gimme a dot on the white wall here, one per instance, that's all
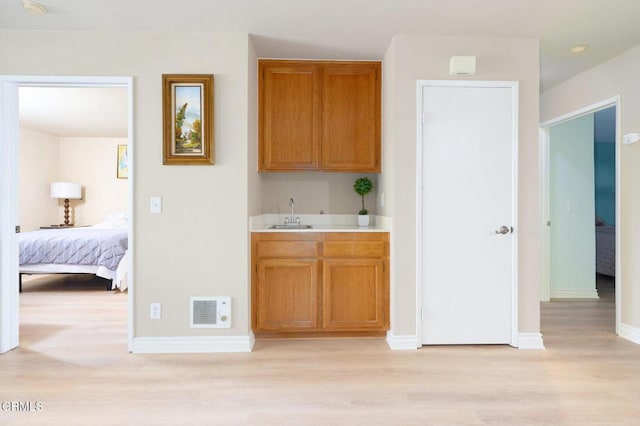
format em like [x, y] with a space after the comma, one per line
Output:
[427, 57]
[38, 168]
[618, 76]
[198, 245]
[92, 163]
[572, 200]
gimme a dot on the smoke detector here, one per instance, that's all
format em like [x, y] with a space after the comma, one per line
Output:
[33, 8]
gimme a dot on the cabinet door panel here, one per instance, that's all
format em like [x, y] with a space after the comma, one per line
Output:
[289, 107]
[351, 118]
[287, 294]
[353, 294]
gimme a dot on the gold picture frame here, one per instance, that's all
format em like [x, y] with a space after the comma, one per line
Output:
[122, 162]
[187, 114]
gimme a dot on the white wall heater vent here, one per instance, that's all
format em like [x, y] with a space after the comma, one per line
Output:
[211, 312]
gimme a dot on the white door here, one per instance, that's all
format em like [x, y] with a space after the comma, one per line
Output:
[469, 143]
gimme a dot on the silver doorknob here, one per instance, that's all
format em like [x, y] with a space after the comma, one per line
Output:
[503, 230]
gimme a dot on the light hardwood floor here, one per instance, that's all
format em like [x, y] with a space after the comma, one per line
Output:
[73, 359]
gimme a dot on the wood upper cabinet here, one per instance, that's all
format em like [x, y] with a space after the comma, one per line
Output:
[351, 117]
[319, 115]
[289, 115]
[320, 282]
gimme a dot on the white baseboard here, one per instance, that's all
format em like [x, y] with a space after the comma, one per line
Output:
[574, 294]
[402, 343]
[192, 344]
[630, 333]
[530, 341]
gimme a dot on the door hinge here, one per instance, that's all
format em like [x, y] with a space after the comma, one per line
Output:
[548, 223]
[421, 314]
[17, 229]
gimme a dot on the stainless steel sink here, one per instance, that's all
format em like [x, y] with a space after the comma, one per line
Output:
[294, 226]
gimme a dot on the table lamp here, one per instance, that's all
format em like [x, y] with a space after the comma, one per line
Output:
[66, 191]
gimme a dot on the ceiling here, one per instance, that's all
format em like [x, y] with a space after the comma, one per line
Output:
[74, 111]
[362, 29]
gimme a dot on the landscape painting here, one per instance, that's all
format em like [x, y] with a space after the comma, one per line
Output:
[188, 119]
[122, 162]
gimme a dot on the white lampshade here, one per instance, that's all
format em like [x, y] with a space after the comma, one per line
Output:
[66, 190]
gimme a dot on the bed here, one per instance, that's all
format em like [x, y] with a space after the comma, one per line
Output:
[606, 249]
[99, 250]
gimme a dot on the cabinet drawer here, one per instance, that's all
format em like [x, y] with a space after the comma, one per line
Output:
[373, 249]
[363, 245]
[273, 249]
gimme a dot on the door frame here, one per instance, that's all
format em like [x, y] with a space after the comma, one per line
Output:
[9, 168]
[514, 86]
[545, 193]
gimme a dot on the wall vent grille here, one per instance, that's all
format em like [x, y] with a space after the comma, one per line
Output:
[211, 312]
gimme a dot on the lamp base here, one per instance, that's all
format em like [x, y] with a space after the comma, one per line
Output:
[66, 213]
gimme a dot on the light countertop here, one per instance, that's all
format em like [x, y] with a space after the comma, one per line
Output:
[320, 223]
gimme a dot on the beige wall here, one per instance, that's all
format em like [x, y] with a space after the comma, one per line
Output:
[386, 180]
[254, 187]
[92, 163]
[617, 77]
[38, 168]
[198, 245]
[255, 182]
[424, 57]
[314, 192]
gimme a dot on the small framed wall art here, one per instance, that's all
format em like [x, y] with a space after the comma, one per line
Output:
[122, 163]
[187, 114]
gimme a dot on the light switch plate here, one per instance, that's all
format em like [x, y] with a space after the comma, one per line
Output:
[156, 205]
[155, 310]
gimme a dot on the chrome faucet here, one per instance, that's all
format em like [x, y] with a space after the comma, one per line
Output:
[291, 220]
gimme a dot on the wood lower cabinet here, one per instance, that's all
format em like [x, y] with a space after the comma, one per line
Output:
[287, 292]
[320, 283]
[353, 294]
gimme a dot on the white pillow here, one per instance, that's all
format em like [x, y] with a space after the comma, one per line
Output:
[118, 219]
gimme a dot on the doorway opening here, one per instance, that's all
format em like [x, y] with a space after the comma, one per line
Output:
[91, 160]
[580, 226]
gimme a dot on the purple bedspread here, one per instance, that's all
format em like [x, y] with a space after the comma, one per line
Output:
[75, 246]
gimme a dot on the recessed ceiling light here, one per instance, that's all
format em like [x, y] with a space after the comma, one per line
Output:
[33, 8]
[578, 50]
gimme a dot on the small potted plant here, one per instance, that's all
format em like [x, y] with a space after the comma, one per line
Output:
[363, 186]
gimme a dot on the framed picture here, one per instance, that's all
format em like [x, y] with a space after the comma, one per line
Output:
[123, 162]
[187, 114]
